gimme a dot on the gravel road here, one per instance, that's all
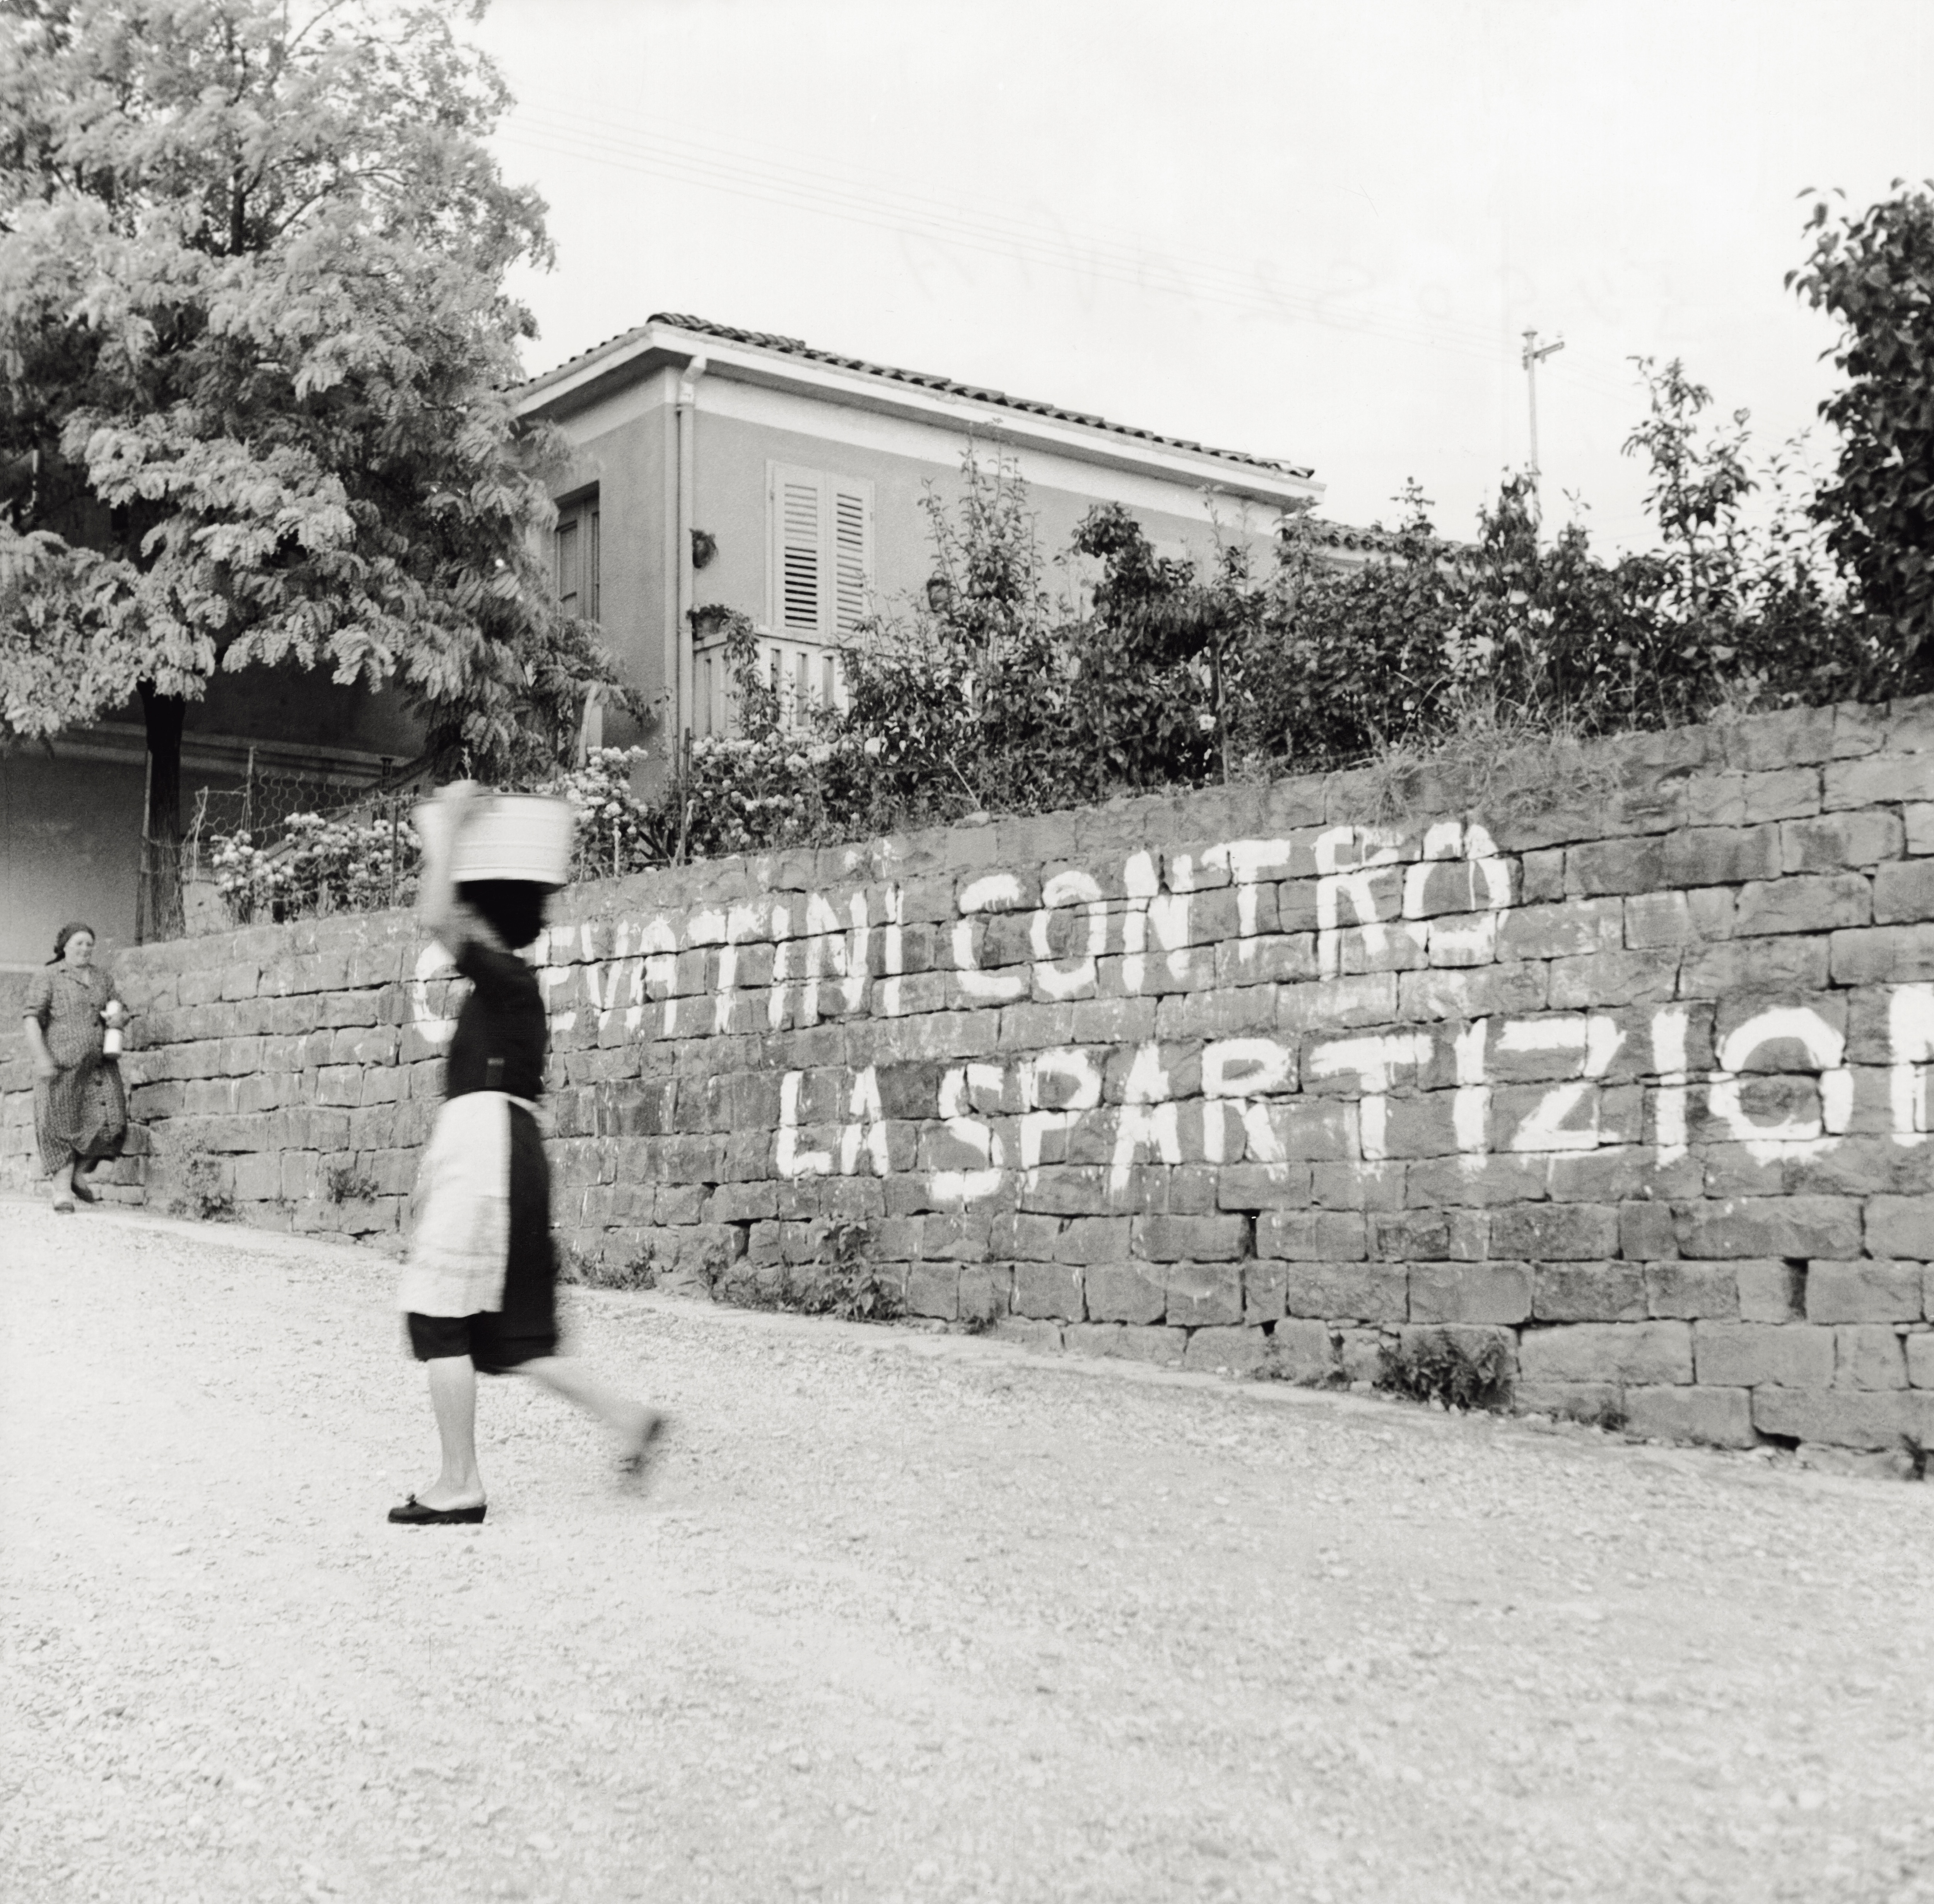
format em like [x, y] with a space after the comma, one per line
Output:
[907, 1617]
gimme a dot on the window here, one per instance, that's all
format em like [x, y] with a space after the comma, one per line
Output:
[575, 544]
[820, 569]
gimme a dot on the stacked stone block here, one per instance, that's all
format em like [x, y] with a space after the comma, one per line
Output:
[1631, 1081]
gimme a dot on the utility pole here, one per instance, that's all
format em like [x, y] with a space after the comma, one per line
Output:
[1534, 353]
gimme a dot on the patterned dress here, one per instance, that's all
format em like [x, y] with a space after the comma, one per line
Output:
[80, 1113]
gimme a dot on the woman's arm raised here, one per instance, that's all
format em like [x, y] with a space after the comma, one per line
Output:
[444, 914]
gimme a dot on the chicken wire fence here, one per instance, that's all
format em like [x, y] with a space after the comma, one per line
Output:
[282, 846]
[286, 846]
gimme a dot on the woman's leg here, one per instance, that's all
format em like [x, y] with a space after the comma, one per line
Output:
[64, 1185]
[453, 1395]
[636, 1425]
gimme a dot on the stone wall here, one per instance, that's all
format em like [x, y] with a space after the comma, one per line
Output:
[1633, 1084]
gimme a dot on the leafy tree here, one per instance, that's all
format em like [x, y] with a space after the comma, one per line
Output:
[254, 351]
[1874, 274]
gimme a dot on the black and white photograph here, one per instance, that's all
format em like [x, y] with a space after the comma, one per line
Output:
[957, 952]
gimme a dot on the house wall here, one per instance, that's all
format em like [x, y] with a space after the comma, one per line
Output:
[741, 428]
[302, 708]
[1625, 1086]
[623, 445]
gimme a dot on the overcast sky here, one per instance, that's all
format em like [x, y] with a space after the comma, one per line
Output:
[1314, 232]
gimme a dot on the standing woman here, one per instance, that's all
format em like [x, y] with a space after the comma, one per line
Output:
[80, 1111]
[479, 1291]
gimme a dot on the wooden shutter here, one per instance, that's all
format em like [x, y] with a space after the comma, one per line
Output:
[568, 555]
[800, 582]
[576, 549]
[821, 566]
[852, 541]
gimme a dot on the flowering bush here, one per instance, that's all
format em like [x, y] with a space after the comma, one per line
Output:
[618, 831]
[310, 864]
[314, 864]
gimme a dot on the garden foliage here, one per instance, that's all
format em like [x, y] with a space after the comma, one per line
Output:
[313, 863]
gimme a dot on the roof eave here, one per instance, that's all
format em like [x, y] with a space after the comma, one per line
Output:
[574, 386]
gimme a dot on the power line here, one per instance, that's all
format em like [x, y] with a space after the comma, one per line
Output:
[821, 190]
[1014, 243]
[822, 187]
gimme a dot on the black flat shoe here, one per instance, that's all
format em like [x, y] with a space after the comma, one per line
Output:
[85, 1195]
[414, 1514]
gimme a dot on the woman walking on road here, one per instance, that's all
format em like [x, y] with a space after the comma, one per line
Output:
[479, 1291]
[80, 1112]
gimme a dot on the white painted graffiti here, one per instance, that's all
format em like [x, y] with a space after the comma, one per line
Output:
[1340, 910]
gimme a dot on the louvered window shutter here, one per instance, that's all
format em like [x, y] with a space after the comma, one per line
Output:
[800, 583]
[822, 552]
[852, 554]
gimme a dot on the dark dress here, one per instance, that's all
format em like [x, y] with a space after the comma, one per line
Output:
[501, 1033]
[80, 1114]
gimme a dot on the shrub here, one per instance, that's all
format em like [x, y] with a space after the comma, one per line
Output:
[310, 864]
[618, 831]
[313, 864]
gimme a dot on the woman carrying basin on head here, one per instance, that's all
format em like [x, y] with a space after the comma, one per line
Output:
[479, 1289]
[80, 1112]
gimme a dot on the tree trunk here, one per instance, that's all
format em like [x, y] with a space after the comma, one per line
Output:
[160, 897]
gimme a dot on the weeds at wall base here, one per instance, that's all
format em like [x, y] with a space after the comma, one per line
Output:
[345, 1184]
[644, 1270]
[200, 1195]
[843, 1282]
[1433, 1365]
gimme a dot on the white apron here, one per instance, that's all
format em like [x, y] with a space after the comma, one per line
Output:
[460, 1240]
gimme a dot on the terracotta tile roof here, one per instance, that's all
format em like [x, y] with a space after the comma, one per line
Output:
[1347, 535]
[926, 380]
